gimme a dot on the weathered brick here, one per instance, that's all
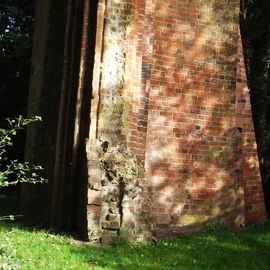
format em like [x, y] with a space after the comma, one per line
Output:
[169, 94]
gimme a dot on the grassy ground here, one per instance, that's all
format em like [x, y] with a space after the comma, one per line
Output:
[216, 248]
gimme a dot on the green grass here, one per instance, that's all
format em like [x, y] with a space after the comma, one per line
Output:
[216, 248]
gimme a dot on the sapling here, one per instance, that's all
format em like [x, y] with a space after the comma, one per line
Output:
[13, 172]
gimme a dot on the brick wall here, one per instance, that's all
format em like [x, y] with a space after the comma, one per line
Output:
[162, 141]
[117, 194]
[183, 86]
[193, 162]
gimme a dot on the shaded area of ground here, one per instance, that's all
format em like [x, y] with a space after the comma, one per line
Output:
[215, 248]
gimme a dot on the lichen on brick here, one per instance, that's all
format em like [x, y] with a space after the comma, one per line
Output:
[115, 120]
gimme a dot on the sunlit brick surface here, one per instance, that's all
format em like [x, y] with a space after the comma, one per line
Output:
[148, 118]
[189, 113]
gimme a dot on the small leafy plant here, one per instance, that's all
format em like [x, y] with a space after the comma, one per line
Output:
[13, 172]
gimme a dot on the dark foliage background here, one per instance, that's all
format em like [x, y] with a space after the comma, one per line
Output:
[16, 31]
[255, 30]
